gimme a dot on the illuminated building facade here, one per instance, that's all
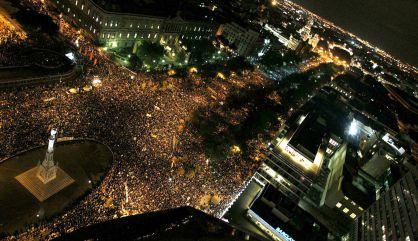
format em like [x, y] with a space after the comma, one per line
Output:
[305, 32]
[394, 216]
[242, 38]
[118, 29]
[293, 164]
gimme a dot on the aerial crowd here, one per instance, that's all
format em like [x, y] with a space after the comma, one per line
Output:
[159, 160]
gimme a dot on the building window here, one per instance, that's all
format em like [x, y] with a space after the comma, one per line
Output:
[338, 205]
[353, 215]
[82, 6]
[345, 210]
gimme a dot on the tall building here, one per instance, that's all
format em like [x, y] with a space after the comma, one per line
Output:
[394, 216]
[296, 171]
[327, 161]
[47, 169]
[129, 22]
[305, 32]
[242, 39]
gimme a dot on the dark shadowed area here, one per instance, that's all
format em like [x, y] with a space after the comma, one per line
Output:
[391, 25]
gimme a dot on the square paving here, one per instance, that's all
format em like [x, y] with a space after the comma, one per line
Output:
[40, 190]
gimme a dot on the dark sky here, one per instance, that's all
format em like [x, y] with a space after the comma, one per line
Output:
[391, 25]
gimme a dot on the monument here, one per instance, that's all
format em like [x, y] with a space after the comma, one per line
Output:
[47, 170]
[46, 179]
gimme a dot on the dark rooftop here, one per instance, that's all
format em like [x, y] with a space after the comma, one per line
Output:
[308, 137]
[160, 8]
[185, 224]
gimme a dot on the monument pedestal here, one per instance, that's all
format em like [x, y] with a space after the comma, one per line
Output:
[37, 188]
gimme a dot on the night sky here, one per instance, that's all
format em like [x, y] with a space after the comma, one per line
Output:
[391, 25]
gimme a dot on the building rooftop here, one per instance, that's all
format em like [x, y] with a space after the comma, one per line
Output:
[159, 8]
[183, 223]
[313, 126]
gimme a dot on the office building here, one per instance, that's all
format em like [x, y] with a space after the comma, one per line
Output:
[240, 39]
[394, 216]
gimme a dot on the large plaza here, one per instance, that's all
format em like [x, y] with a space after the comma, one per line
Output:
[85, 161]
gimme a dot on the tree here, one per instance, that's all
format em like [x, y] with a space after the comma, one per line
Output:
[150, 52]
[134, 60]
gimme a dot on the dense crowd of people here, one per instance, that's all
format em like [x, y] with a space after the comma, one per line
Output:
[11, 38]
[159, 160]
[9, 33]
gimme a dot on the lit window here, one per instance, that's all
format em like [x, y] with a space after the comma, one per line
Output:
[82, 6]
[76, 2]
[353, 216]
[338, 205]
[135, 35]
[127, 36]
[333, 142]
[352, 202]
[329, 151]
[345, 210]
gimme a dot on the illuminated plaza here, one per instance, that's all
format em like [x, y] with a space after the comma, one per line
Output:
[272, 128]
